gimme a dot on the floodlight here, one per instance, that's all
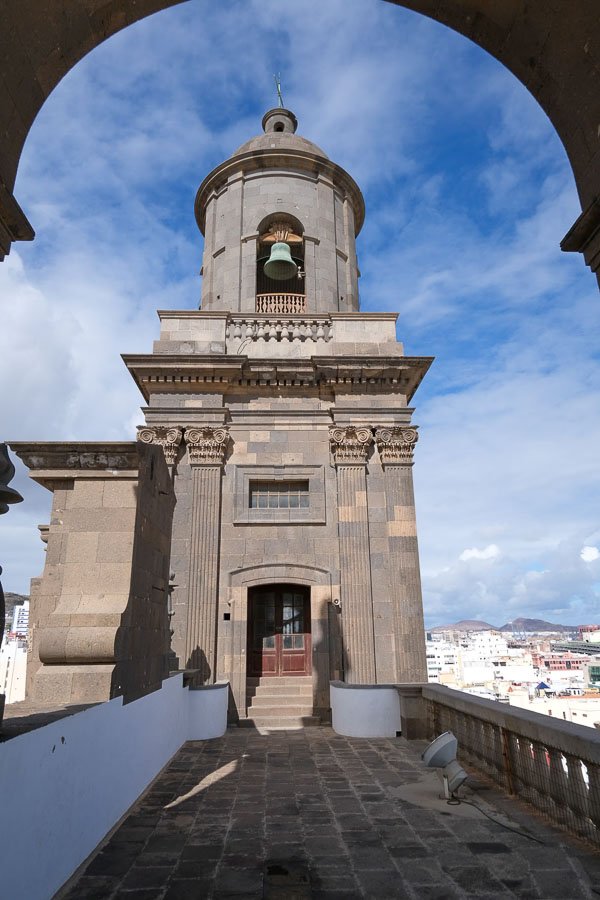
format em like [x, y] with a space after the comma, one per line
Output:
[441, 754]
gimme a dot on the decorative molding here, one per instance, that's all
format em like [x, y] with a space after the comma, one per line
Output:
[180, 373]
[114, 455]
[350, 445]
[166, 436]
[396, 445]
[207, 446]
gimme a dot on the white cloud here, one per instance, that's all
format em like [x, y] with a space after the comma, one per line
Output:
[489, 552]
[590, 554]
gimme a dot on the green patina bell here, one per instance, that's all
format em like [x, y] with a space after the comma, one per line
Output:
[280, 266]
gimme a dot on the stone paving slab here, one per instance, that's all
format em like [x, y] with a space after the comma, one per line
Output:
[309, 813]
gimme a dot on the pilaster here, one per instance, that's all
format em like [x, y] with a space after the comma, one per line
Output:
[206, 451]
[350, 447]
[396, 448]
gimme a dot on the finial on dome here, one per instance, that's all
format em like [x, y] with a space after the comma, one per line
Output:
[277, 79]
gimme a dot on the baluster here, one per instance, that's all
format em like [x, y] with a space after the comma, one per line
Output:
[237, 329]
[516, 764]
[577, 796]
[487, 748]
[541, 776]
[558, 783]
[594, 792]
[320, 332]
[249, 329]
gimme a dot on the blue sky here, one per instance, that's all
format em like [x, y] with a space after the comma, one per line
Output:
[468, 193]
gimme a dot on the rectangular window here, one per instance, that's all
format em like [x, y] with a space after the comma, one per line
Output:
[279, 495]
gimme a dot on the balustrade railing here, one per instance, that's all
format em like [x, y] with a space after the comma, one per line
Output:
[275, 328]
[553, 765]
[281, 304]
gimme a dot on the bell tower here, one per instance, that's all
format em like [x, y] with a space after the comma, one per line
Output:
[280, 222]
[270, 508]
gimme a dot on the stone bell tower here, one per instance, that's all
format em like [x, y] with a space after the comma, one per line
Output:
[284, 412]
[281, 413]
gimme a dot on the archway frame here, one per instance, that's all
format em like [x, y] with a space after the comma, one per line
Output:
[322, 590]
[553, 50]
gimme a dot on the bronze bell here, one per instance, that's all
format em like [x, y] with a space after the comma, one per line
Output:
[280, 266]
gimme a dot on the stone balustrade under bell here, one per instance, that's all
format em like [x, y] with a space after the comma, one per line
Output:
[274, 328]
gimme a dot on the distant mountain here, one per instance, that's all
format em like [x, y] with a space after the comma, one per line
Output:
[514, 627]
[522, 624]
[466, 625]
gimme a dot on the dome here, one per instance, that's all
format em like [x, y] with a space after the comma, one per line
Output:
[279, 126]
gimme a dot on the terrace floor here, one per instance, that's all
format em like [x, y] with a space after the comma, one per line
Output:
[309, 813]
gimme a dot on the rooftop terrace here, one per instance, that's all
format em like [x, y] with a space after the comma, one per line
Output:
[309, 813]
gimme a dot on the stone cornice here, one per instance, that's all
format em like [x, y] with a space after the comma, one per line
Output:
[166, 373]
[350, 445]
[396, 445]
[207, 446]
[50, 462]
[167, 437]
[283, 158]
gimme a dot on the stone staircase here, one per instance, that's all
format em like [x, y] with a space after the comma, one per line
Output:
[284, 702]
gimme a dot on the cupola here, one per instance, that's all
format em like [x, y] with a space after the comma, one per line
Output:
[280, 221]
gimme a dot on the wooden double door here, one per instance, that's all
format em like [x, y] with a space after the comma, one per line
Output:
[279, 630]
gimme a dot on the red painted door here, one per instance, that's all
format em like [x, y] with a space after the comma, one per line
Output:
[279, 630]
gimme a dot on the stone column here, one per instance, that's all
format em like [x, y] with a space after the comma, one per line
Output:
[166, 436]
[396, 446]
[206, 451]
[350, 446]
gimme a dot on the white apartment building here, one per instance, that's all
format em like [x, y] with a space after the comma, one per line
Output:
[13, 656]
[20, 621]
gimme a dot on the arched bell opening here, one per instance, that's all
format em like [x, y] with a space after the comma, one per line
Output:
[280, 272]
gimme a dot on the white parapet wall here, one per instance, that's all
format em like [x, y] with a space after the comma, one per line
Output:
[365, 710]
[64, 786]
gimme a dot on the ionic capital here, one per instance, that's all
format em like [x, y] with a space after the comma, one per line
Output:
[350, 445]
[166, 436]
[396, 445]
[207, 446]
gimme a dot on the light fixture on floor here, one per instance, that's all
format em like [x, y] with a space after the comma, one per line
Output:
[441, 755]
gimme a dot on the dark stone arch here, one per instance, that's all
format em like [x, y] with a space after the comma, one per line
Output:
[553, 48]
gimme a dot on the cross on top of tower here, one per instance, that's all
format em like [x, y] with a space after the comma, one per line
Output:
[277, 79]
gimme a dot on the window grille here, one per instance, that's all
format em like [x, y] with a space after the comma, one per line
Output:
[279, 495]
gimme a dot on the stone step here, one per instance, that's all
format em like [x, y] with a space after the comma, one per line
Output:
[278, 690]
[280, 722]
[266, 703]
[279, 680]
[281, 710]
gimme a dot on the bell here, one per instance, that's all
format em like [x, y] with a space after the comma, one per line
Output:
[280, 266]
